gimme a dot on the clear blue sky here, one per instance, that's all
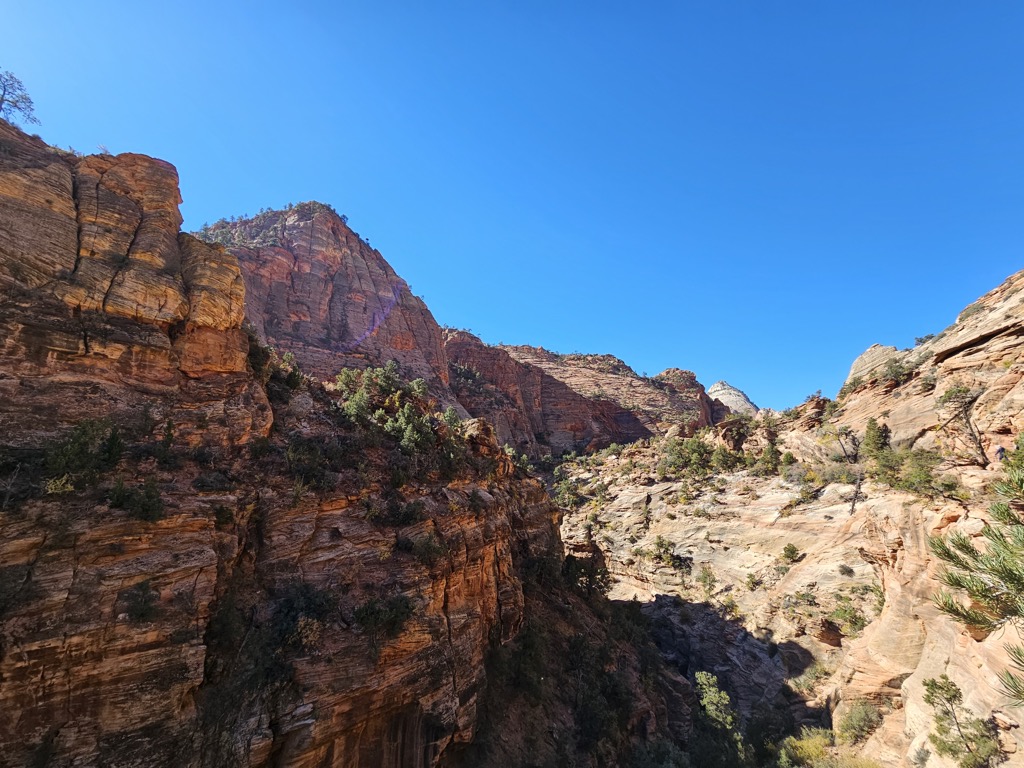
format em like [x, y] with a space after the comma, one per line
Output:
[756, 190]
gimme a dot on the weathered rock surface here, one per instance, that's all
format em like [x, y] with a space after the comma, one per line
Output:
[980, 352]
[207, 598]
[778, 629]
[733, 399]
[545, 403]
[673, 397]
[533, 411]
[105, 308]
[316, 289]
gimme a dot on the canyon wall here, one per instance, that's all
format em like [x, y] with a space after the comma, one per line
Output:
[208, 558]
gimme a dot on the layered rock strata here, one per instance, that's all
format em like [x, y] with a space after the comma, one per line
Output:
[316, 289]
[545, 403]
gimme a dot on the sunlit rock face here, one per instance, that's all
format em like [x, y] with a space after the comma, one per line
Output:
[181, 633]
[733, 399]
[546, 403]
[316, 289]
[783, 633]
[196, 573]
[107, 307]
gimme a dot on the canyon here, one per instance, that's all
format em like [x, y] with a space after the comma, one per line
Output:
[259, 508]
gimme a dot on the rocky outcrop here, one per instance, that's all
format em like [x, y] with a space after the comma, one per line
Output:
[545, 403]
[979, 354]
[316, 289]
[105, 308]
[180, 584]
[733, 399]
[847, 615]
[871, 360]
[673, 397]
[533, 411]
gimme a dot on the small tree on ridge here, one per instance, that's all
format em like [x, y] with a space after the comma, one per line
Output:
[14, 100]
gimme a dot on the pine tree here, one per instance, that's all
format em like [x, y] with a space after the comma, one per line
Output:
[992, 578]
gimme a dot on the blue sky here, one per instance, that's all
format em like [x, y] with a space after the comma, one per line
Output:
[754, 191]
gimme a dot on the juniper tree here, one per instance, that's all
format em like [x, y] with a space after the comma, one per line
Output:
[957, 402]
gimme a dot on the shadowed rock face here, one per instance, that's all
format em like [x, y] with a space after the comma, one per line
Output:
[315, 289]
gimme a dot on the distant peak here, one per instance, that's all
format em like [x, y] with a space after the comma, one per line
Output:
[735, 399]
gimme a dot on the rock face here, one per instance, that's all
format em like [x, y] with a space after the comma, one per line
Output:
[979, 353]
[315, 289]
[533, 411]
[116, 644]
[784, 632]
[106, 308]
[181, 584]
[871, 360]
[545, 403]
[733, 399]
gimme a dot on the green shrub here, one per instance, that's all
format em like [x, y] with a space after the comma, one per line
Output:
[394, 512]
[769, 461]
[973, 742]
[383, 619]
[707, 579]
[717, 741]
[849, 617]
[140, 602]
[586, 575]
[790, 553]
[691, 455]
[811, 748]
[91, 448]
[427, 549]
[859, 721]
[142, 503]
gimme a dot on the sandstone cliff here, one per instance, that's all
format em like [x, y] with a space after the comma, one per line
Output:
[545, 403]
[980, 353]
[316, 289]
[105, 308]
[195, 573]
[846, 615]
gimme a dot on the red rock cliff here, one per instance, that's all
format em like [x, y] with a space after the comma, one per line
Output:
[315, 289]
[194, 601]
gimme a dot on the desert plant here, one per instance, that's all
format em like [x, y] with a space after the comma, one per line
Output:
[859, 721]
[15, 103]
[140, 602]
[849, 617]
[971, 741]
[707, 579]
[717, 739]
[957, 402]
[383, 618]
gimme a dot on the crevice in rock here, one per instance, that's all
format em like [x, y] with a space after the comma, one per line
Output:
[1011, 330]
[127, 257]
